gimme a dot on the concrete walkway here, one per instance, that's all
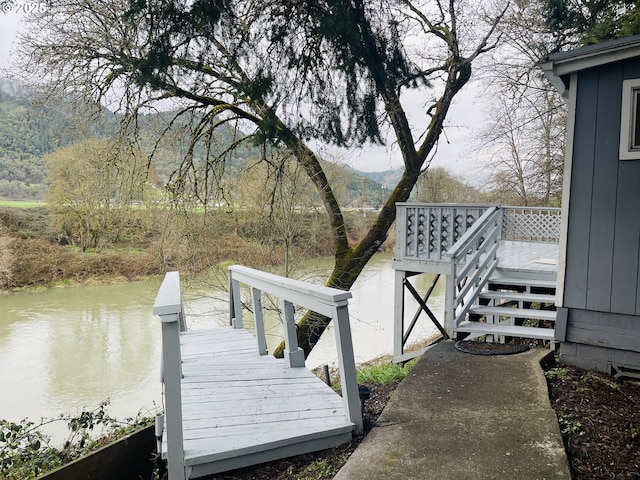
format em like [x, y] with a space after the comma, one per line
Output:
[460, 416]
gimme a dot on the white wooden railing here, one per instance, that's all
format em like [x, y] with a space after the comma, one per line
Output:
[330, 302]
[473, 259]
[454, 240]
[531, 224]
[427, 231]
[168, 306]
[326, 301]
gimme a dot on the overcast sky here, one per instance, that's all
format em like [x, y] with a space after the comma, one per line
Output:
[8, 27]
[455, 151]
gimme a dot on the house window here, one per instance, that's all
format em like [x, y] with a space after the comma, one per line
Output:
[630, 121]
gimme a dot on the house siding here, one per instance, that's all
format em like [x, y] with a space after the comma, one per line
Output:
[597, 358]
[579, 222]
[603, 329]
[602, 270]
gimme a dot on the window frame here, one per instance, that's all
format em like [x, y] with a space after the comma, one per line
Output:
[630, 146]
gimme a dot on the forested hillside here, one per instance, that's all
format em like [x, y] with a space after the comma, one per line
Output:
[28, 132]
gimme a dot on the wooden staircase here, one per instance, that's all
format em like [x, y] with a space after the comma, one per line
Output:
[512, 307]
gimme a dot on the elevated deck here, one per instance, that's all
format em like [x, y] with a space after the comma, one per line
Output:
[229, 404]
[523, 257]
[482, 250]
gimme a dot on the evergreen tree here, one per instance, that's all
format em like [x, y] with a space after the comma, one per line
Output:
[288, 73]
[583, 22]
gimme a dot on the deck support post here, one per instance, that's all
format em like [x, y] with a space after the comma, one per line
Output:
[398, 315]
[173, 395]
[449, 308]
[346, 362]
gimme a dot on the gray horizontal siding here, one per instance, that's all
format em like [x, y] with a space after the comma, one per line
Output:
[603, 359]
[602, 329]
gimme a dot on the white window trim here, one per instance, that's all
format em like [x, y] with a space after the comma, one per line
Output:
[627, 120]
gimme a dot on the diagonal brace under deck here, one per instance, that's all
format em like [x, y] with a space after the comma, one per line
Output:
[423, 306]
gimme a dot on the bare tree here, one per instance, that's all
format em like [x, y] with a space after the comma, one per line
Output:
[525, 133]
[438, 185]
[281, 72]
[91, 188]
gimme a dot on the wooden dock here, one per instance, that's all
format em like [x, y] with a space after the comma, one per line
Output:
[229, 404]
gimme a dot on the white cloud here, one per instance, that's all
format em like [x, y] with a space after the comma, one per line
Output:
[455, 148]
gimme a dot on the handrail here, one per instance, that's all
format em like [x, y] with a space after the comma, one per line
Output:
[168, 306]
[472, 259]
[326, 301]
[473, 234]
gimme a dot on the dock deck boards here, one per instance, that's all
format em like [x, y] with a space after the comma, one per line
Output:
[241, 408]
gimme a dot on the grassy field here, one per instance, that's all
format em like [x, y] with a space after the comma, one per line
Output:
[22, 203]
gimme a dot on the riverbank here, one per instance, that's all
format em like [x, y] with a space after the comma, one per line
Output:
[34, 254]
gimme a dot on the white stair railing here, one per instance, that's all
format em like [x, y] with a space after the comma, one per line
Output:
[472, 261]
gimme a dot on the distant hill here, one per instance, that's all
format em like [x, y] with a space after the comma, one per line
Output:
[374, 183]
[388, 178]
[27, 134]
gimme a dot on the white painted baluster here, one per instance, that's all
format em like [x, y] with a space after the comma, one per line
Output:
[256, 297]
[235, 303]
[293, 354]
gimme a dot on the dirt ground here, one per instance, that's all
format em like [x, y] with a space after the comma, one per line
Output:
[599, 417]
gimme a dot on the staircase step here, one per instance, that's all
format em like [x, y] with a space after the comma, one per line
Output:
[506, 330]
[537, 282]
[515, 312]
[520, 297]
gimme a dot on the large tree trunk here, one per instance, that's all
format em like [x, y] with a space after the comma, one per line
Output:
[350, 261]
[349, 264]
